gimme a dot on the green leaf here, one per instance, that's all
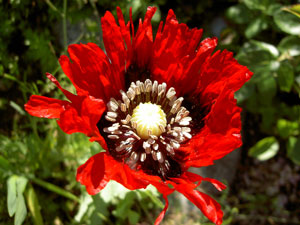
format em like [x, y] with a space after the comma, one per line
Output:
[263, 46]
[17, 107]
[256, 4]
[287, 22]
[21, 210]
[85, 202]
[133, 217]
[267, 87]
[124, 205]
[113, 191]
[21, 185]
[54, 188]
[245, 92]
[15, 200]
[12, 195]
[268, 116]
[293, 149]
[4, 164]
[290, 45]
[34, 206]
[265, 149]
[155, 200]
[287, 128]
[255, 27]
[295, 9]
[285, 76]
[239, 14]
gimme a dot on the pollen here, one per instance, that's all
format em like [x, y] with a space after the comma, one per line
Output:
[149, 119]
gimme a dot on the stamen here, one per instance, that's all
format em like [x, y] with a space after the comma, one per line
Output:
[143, 157]
[149, 119]
[123, 107]
[159, 157]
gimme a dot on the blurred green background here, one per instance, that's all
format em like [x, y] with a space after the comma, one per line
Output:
[38, 161]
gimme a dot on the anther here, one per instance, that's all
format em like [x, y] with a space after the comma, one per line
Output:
[185, 121]
[123, 107]
[113, 136]
[112, 114]
[143, 157]
[171, 93]
[127, 119]
[155, 146]
[110, 119]
[159, 157]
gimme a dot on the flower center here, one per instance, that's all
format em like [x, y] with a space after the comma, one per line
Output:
[149, 119]
[147, 127]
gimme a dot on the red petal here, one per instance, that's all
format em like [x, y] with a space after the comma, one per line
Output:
[101, 168]
[90, 71]
[83, 118]
[163, 212]
[45, 107]
[91, 174]
[219, 136]
[191, 77]
[114, 45]
[209, 207]
[221, 69]
[175, 58]
[197, 178]
[143, 40]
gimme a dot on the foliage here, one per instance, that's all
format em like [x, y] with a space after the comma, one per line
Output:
[273, 93]
[38, 161]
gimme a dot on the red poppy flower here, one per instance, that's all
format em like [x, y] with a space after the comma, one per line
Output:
[156, 105]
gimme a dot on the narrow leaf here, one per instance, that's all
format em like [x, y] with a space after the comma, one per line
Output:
[34, 206]
[56, 189]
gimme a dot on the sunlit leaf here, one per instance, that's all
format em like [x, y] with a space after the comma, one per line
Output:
[113, 191]
[265, 149]
[263, 46]
[85, 201]
[290, 45]
[287, 22]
